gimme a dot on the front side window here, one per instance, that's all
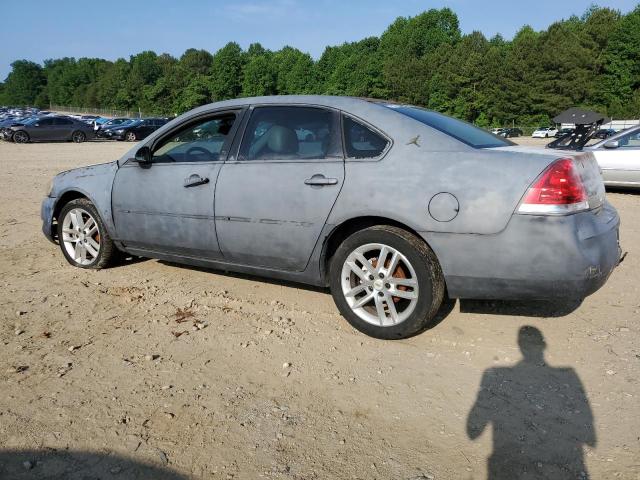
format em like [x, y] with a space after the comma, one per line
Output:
[630, 141]
[201, 141]
[46, 122]
[290, 133]
[63, 121]
[362, 142]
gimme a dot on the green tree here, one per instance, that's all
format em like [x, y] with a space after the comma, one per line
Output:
[226, 72]
[25, 82]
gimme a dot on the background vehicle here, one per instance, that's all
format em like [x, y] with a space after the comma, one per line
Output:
[51, 128]
[619, 158]
[498, 131]
[604, 133]
[511, 132]
[134, 130]
[544, 132]
[110, 123]
[388, 205]
[563, 131]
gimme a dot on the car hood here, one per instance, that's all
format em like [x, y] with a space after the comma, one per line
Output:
[76, 177]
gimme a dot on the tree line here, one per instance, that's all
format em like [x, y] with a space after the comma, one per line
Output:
[591, 61]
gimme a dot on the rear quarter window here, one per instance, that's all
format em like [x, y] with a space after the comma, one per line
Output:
[461, 131]
[360, 141]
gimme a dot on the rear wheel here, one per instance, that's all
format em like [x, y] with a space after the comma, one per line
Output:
[78, 137]
[130, 137]
[20, 137]
[84, 240]
[386, 282]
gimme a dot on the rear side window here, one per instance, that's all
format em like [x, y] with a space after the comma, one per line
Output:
[291, 133]
[362, 142]
[46, 121]
[462, 131]
[63, 121]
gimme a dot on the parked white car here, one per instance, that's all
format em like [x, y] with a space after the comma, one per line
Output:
[544, 132]
[619, 158]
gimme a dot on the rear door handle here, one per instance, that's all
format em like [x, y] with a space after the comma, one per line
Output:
[194, 180]
[320, 180]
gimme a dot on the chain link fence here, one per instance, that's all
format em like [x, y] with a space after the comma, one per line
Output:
[103, 112]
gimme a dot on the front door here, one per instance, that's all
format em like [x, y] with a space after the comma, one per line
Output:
[273, 200]
[621, 165]
[43, 129]
[168, 205]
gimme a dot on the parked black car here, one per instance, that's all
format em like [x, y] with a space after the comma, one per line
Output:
[50, 128]
[604, 133]
[110, 124]
[135, 130]
[563, 131]
[511, 132]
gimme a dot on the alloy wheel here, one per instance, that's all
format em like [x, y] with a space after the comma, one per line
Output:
[80, 236]
[20, 137]
[379, 284]
[78, 137]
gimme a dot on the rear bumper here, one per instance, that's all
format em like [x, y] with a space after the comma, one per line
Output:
[46, 214]
[535, 257]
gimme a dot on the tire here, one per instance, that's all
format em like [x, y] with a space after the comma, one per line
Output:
[416, 274]
[70, 237]
[78, 136]
[21, 137]
[130, 137]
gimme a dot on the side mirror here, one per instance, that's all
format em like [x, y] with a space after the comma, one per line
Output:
[612, 144]
[143, 156]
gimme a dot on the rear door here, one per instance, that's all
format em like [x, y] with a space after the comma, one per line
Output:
[63, 128]
[168, 206]
[274, 197]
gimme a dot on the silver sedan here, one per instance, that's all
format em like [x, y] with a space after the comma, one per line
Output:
[619, 158]
[393, 207]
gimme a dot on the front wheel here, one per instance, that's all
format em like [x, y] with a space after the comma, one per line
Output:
[386, 282]
[130, 137]
[83, 238]
[20, 137]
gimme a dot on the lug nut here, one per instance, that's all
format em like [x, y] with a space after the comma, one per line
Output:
[387, 285]
[381, 275]
[380, 294]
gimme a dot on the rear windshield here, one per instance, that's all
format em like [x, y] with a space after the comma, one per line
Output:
[462, 131]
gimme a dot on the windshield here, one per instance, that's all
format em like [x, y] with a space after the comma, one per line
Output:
[462, 131]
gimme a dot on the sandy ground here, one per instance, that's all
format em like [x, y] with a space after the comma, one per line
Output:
[105, 375]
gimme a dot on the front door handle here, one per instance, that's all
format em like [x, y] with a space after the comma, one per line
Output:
[320, 180]
[194, 180]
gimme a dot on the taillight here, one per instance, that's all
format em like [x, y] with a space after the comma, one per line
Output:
[557, 191]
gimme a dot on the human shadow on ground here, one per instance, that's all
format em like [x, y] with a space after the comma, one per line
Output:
[78, 465]
[540, 415]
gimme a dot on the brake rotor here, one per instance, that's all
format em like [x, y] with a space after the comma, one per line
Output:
[399, 272]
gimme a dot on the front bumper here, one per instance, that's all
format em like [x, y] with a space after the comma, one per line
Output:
[111, 135]
[46, 214]
[535, 257]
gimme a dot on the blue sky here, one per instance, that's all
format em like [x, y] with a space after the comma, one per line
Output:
[41, 29]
